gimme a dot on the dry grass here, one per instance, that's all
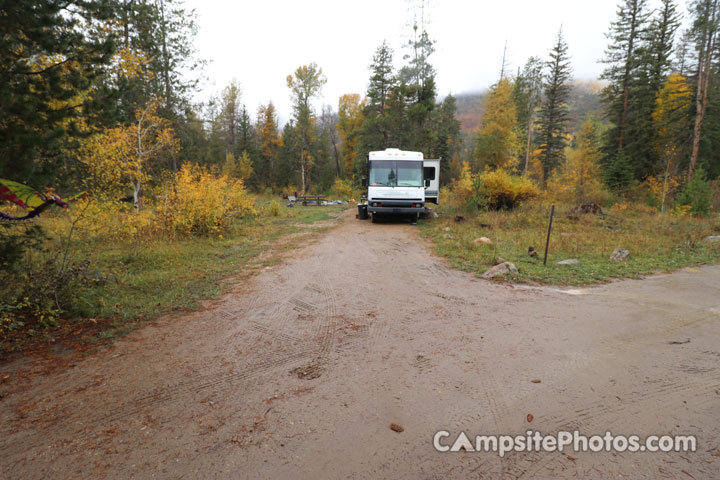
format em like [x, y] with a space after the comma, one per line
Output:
[657, 243]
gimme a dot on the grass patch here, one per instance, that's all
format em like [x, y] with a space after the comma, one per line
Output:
[130, 282]
[657, 243]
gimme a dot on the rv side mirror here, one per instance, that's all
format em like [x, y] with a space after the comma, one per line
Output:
[427, 182]
[364, 182]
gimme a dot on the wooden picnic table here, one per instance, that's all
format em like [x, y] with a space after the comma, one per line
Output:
[311, 198]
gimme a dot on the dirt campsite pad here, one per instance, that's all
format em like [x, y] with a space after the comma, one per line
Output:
[346, 360]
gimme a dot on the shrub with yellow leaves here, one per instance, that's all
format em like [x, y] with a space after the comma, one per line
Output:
[202, 203]
[580, 180]
[503, 190]
[102, 219]
[342, 189]
[462, 188]
[661, 189]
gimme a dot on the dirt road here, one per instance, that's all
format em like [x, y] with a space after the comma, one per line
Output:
[300, 372]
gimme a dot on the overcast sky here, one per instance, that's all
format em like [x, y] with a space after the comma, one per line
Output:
[260, 42]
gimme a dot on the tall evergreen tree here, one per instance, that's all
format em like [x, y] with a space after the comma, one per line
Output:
[654, 60]
[286, 171]
[417, 85]
[246, 135]
[527, 95]
[706, 34]
[624, 59]
[160, 33]
[375, 132]
[50, 62]
[554, 111]
[447, 134]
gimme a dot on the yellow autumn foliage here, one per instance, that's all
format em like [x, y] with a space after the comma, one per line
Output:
[203, 203]
[495, 189]
[463, 188]
[342, 189]
[102, 219]
[502, 190]
[197, 202]
[580, 179]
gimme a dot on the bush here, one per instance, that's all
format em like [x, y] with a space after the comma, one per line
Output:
[43, 287]
[273, 209]
[463, 189]
[659, 190]
[105, 220]
[498, 189]
[342, 189]
[16, 238]
[696, 195]
[202, 203]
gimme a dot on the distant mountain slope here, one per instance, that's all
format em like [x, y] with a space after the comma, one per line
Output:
[584, 99]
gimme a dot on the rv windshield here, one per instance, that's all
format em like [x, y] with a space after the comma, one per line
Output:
[394, 173]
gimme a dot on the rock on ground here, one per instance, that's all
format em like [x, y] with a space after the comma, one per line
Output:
[711, 239]
[620, 254]
[500, 270]
[570, 261]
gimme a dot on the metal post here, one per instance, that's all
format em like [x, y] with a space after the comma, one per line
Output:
[547, 243]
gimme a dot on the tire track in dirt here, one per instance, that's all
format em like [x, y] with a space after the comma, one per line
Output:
[338, 313]
[599, 417]
[326, 332]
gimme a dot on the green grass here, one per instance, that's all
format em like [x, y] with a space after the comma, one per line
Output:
[134, 281]
[160, 276]
[657, 243]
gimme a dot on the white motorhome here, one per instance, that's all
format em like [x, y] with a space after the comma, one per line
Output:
[431, 174]
[397, 184]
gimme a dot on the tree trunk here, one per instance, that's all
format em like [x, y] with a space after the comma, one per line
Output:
[337, 160]
[136, 195]
[626, 78]
[705, 56]
[302, 172]
[527, 147]
[166, 61]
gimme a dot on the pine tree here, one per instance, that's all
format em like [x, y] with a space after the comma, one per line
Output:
[554, 111]
[48, 61]
[376, 129]
[527, 94]
[447, 134]
[706, 33]
[654, 59]
[286, 171]
[623, 60]
[246, 135]
[417, 85]
[161, 33]
[624, 57]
